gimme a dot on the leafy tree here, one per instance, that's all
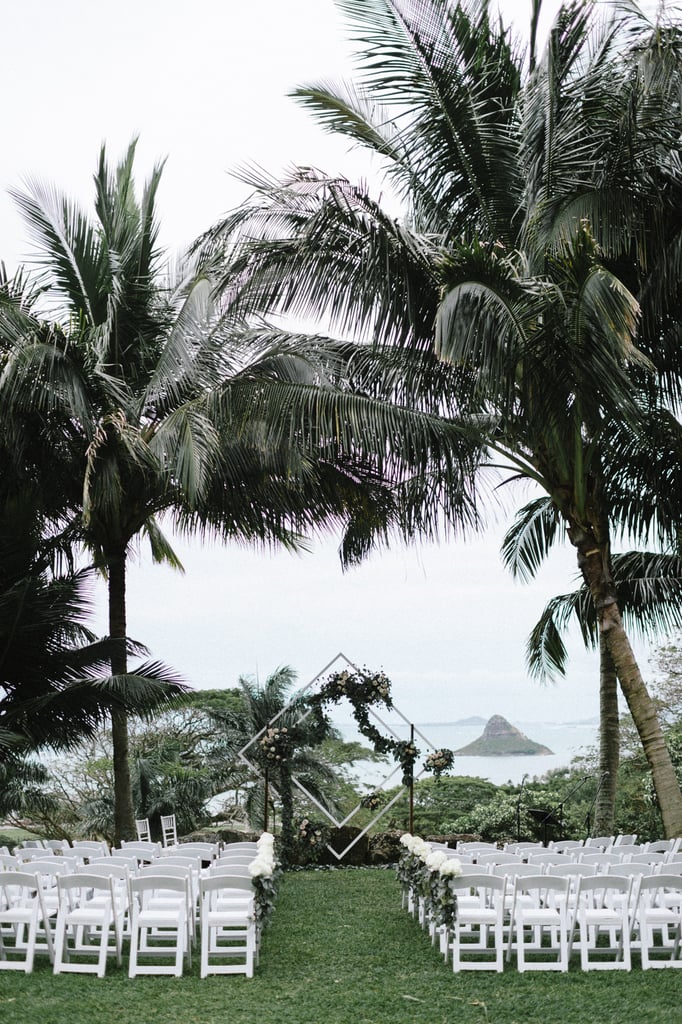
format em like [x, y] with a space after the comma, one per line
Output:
[438, 802]
[537, 260]
[161, 403]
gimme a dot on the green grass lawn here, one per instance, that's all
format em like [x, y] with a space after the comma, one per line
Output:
[341, 951]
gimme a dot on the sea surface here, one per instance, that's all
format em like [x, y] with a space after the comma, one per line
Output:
[566, 739]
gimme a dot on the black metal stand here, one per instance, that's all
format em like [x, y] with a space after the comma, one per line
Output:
[588, 816]
[518, 809]
[559, 819]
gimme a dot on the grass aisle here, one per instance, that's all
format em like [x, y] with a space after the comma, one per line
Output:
[341, 951]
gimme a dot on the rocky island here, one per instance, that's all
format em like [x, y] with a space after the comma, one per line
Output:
[501, 739]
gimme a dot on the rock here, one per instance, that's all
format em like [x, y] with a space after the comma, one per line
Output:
[501, 739]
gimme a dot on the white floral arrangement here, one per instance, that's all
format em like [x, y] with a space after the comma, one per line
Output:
[261, 868]
[266, 841]
[450, 867]
[439, 761]
[435, 859]
[274, 743]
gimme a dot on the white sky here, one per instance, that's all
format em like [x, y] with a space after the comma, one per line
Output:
[204, 84]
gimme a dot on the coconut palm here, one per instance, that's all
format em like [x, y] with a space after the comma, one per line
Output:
[537, 258]
[159, 402]
[649, 590]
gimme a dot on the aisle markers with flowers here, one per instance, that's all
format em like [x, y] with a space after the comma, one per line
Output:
[426, 875]
[366, 692]
[265, 875]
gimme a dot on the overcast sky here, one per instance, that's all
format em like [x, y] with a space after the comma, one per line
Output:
[205, 85]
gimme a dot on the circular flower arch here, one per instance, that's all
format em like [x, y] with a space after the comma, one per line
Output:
[364, 690]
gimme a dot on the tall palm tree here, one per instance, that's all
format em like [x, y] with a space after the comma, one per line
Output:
[161, 402]
[537, 258]
[649, 591]
[55, 685]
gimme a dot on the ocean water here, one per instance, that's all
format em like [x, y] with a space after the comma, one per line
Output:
[566, 739]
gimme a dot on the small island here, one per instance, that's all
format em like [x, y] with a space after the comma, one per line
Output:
[501, 739]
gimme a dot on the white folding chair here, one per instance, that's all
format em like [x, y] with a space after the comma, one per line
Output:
[626, 850]
[22, 915]
[623, 839]
[89, 916]
[230, 867]
[603, 909]
[670, 846]
[539, 923]
[169, 830]
[658, 914]
[143, 830]
[228, 925]
[238, 851]
[205, 851]
[651, 858]
[26, 854]
[598, 860]
[549, 857]
[565, 845]
[146, 852]
[186, 871]
[476, 846]
[521, 849]
[117, 860]
[120, 873]
[58, 846]
[239, 847]
[48, 872]
[160, 926]
[478, 920]
[87, 848]
[599, 842]
[484, 859]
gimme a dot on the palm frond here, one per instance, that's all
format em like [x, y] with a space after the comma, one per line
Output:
[528, 541]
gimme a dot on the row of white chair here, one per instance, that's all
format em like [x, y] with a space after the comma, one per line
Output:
[57, 907]
[544, 918]
[623, 843]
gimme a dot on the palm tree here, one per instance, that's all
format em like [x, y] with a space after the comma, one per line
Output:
[537, 259]
[649, 591]
[160, 402]
[115, 367]
[272, 705]
[55, 687]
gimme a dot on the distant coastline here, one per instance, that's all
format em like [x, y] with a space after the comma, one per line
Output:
[478, 720]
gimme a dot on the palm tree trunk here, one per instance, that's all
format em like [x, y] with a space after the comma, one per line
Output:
[609, 743]
[594, 564]
[124, 813]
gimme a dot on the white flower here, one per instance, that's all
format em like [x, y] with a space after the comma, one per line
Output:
[266, 839]
[450, 868]
[260, 868]
[420, 848]
[406, 839]
[435, 859]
